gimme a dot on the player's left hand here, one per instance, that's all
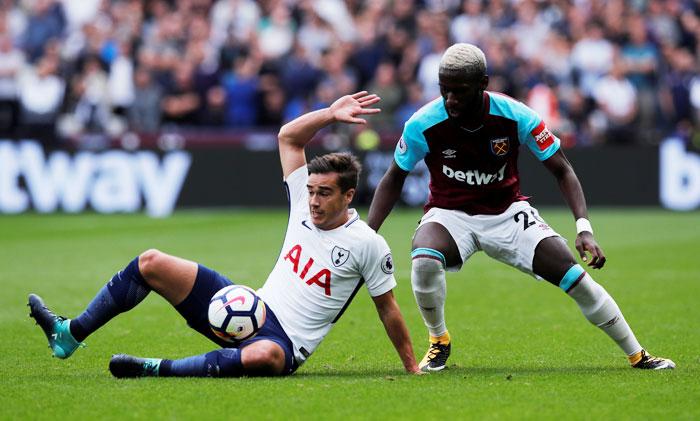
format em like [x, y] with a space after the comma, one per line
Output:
[586, 243]
[347, 108]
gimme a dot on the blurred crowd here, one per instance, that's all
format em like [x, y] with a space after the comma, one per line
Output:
[617, 71]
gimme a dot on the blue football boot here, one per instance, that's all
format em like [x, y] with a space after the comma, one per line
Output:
[126, 366]
[56, 328]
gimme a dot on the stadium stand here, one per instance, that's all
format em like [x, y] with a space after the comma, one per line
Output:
[616, 71]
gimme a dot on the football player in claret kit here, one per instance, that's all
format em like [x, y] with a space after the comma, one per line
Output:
[327, 256]
[469, 139]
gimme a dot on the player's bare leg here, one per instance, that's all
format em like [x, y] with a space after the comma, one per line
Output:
[433, 250]
[170, 276]
[261, 358]
[554, 262]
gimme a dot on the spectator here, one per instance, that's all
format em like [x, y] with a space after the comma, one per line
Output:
[529, 32]
[368, 51]
[429, 65]
[617, 98]
[557, 60]
[91, 110]
[241, 85]
[13, 20]
[181, 101]
[472, 26]
[677, 84]
[662, 24]
[276, 32]
[641, 62]
[273, 112]
[11, 62]
[299, 76]
[121, 80]
[385, 85]
[144, 112]
[592, 57]
[41, 93]
[46, 21]
[414, 100]
[315, 36]
[233, 21]
[337, 74]
[336, 13]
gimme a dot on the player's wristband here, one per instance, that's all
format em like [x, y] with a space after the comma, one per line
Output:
[583, 224]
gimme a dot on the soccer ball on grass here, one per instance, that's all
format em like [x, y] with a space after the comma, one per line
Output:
[236, 313]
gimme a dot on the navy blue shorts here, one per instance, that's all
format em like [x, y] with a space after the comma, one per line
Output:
[195, 307]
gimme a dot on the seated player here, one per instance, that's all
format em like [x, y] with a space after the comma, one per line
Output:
[328, 254]
[469, 139]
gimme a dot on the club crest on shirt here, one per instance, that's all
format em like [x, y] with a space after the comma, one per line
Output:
[339, 256]
[500, 146]
[388, 264]
[403, 147]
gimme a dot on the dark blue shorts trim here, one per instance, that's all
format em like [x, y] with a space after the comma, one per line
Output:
[194, 310]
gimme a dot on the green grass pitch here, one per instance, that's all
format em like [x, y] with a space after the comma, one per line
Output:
[521, 348]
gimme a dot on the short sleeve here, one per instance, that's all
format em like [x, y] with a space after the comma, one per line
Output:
[378, 267]
[532, 131]
[295, 183]
[411, 147]
[541, 141]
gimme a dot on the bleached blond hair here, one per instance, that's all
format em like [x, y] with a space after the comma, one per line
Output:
[464, 59]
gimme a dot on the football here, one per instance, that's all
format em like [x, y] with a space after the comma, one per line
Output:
[236, 313]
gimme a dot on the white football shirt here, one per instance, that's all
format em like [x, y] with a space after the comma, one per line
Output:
[319, 272]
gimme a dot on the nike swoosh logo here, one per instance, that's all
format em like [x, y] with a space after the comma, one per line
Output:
[234, 299]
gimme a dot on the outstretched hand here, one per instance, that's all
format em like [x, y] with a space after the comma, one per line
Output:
[586, 243]
[347, 109]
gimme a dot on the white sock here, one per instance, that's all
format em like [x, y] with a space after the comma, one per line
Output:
[430, 288]
[601, 310]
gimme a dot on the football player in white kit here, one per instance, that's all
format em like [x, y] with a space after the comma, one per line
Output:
[327, 256]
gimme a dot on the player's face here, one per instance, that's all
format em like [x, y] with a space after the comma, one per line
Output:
[328, 205]
[463, 97]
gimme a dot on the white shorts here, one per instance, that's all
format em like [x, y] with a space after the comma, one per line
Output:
[510, 237]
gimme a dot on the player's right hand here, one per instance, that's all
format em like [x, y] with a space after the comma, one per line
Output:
[347, 109]
[585, 243]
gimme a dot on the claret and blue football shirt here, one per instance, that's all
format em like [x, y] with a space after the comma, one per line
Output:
[475, 171]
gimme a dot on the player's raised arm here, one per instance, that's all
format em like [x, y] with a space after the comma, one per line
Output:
[570, 186]
[396, 329]
[294, 135]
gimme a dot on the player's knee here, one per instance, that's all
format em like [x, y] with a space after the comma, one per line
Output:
[265, 359]
[425, 269]
[149, 261]
[553, 259]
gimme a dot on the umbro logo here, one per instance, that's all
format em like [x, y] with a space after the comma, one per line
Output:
[610, 322]
[449, 153]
